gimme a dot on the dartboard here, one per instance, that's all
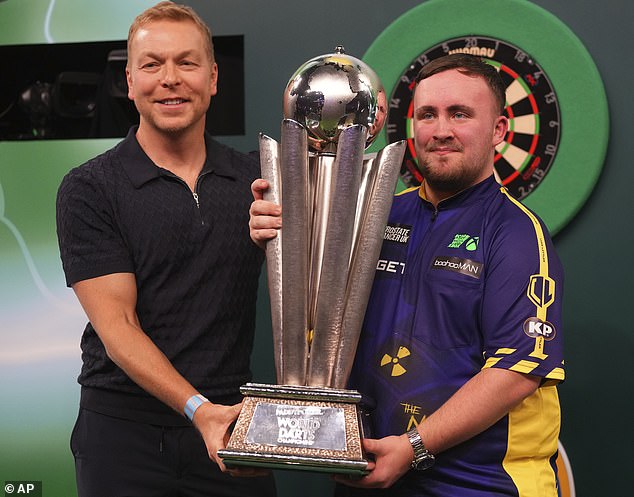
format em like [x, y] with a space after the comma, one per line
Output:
[559, 122]
[529, 148]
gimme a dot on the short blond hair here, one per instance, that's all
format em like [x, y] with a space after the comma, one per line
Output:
[469, 65]
[173, 12]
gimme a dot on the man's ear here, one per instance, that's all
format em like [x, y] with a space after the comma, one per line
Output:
[501, 127]
[128, 78]
[214, 79]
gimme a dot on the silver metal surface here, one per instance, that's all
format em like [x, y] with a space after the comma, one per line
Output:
[279, 461]
[368, 173]
[284, 425]
[295, 252]
[335, 206]
[301, 393]
[322, 167]
[336, 256]
[375, 208]
[320, 267]
[331, 92]
[270, 169]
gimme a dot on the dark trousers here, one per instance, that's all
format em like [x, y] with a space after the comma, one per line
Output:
[121, 458]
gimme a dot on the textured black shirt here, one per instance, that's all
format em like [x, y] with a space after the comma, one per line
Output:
[195, 266]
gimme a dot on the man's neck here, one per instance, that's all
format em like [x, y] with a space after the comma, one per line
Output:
[435, 196]
[183, 154]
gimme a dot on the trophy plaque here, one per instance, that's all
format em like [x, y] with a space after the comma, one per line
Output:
[320, 267]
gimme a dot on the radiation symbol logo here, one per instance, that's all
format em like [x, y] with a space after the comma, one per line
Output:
[397, 367]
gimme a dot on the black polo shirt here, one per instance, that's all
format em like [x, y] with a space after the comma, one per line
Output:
[196, 268]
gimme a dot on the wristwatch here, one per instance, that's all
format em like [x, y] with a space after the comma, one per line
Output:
[423, 459]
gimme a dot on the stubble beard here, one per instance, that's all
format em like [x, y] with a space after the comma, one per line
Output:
[447, 182]
[445, 175]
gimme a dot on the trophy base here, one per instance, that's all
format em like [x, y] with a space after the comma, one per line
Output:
[297, 428]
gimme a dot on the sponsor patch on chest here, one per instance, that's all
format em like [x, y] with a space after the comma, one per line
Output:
[458, 265]
[398, 233]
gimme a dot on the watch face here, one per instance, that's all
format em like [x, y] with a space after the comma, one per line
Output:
[426, 462]
[525, 156]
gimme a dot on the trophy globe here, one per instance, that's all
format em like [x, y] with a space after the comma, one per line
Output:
[331, 92]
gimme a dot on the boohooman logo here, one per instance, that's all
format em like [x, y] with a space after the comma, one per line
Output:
[458, 265]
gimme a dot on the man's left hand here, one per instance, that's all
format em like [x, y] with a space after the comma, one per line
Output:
[213, 422]
[392, 459]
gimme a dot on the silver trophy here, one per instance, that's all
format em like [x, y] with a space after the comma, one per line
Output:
[321, 266]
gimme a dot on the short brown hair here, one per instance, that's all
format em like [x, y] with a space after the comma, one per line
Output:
[469, 65]
[173, 12]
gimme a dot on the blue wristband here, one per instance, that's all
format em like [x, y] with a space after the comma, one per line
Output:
[194, 402]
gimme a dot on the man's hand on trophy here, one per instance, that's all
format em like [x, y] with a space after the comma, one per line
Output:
[214, 421]
[265, 218]
[392, 459]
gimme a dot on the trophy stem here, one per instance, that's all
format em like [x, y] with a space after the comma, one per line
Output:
[322, 167]
[365, 191]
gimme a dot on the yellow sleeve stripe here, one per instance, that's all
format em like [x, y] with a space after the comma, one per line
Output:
[490, 362]
[524, 366]
[541, 241]
[527, 367]
[556, 374]
[504, 351]
[541, 245]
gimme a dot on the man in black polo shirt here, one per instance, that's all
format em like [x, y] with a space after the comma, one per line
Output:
[154, 241]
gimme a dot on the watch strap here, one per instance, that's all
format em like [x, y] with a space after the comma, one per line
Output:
[423, 459]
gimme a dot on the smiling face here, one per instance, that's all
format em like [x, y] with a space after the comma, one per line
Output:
[456, 127]
[170, 77]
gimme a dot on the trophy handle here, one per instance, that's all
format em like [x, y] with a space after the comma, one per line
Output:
[270, 170]
[375, 204]
[295, 246]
